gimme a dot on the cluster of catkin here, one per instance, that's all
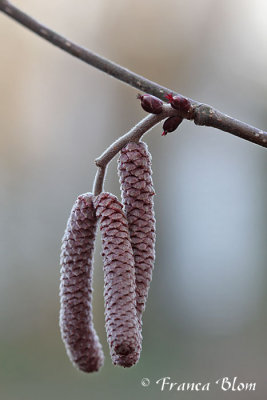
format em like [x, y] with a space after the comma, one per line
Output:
[128, 250]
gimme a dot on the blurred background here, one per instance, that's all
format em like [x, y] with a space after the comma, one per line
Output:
[206, 314]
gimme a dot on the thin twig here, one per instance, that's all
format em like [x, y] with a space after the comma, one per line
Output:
[99, 180]
[203, 114]
[134, 135]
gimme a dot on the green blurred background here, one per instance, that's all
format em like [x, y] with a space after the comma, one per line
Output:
[206, 314]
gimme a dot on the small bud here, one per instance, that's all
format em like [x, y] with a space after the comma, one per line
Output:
[179, 103]
[170, 124]
[150, 103]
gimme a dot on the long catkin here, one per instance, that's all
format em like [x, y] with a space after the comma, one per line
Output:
[135, 173]
[76, 321]
[119, 282]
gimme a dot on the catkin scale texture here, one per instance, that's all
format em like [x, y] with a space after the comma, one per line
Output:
[134, 168]
[119, 282]
[76, 321]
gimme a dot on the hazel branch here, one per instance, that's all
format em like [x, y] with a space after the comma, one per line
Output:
[203, 114]
[134, 135]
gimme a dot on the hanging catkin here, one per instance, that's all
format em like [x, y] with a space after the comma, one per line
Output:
[76, 321]
[119, 282]
[134, 168]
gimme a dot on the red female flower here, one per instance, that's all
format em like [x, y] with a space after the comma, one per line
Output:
[170, 124]
[182, 104]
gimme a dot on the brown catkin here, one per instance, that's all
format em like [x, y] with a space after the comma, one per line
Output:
[76, 321]
[119, 282]
[134, 168]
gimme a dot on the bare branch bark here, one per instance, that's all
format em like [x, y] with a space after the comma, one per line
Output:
[203, 114]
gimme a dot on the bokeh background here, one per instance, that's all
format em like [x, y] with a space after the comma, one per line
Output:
[206, 316]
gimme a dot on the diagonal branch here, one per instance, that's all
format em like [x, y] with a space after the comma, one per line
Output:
[203, 114]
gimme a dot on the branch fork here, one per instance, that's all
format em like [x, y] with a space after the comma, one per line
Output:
[134, 135]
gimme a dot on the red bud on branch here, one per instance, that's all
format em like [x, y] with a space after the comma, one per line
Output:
[150, 103]
[181, 104]
[170, 124]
